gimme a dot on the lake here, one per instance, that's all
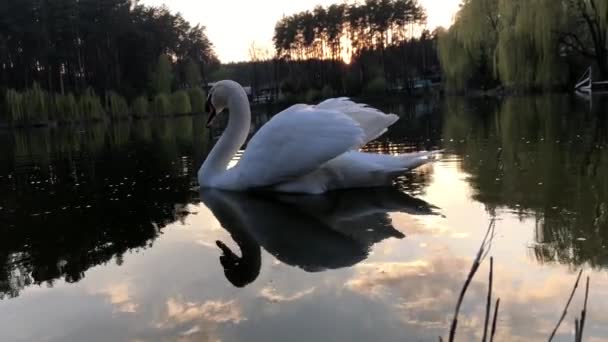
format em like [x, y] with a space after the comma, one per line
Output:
[105, 238]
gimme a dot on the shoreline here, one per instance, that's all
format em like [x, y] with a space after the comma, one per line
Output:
[54, 124]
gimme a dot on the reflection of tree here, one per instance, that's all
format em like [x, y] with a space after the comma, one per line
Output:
[72, 198]
[80, 200]
[540, 157]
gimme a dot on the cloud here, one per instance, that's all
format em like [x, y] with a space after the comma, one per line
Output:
[424, 294]
[120, 296]
[213, 311]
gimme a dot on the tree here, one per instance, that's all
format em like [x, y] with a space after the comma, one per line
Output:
[193, 74]
[162, 77]
[69, 45]
[524, 44]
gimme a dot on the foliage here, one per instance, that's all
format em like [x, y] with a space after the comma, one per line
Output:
[312, 95]
[14, 106]
[180, 103]
[321, 33]
[327, 91]
[161, 105]
[197, 99]
[523, 44]
[162, 77]
[139, 107]
[377, 35]
[376, 87]
[66, 108]
[116, 105]
[89, 105]
[35, 103]
[68, 45]
[193, 74]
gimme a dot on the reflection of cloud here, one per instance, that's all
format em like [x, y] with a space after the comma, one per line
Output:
[119, 296]
[270, 294]
[424, 293]
[211, 311]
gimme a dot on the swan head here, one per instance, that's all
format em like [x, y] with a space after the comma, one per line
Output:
[219, 97]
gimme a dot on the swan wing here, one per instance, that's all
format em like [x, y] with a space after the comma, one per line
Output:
[294, 143]
[373, 122]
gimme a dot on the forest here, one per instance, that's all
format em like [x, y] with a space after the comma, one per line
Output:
[66, 60]
[87, 60]
[523, 45]
[364, 48]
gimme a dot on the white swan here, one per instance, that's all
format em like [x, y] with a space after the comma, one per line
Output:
[303, 149]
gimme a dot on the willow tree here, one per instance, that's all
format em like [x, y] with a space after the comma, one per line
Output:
[528, 50]
[586, 31]
[526, 44]
[468, 49]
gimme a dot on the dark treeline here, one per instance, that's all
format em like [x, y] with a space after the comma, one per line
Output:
[82, 47]
[378, 37]
[69, 45]
[342, 49]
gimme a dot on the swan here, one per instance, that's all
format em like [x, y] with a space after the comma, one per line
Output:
[307, 149]
[311, 232]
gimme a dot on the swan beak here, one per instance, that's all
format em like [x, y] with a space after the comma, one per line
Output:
[211, 110]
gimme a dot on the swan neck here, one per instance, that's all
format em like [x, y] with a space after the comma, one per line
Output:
[232, 139]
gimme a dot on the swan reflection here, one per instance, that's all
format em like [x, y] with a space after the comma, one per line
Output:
[313, 233]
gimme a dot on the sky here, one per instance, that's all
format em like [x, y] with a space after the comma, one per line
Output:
[233, 25]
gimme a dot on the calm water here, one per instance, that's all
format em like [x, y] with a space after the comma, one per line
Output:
[103, 238]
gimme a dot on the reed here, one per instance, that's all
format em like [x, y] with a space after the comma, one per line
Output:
[35, 104]
[65, 108]
[89, 106]
[116, 105]
[14, 106]
[140, 107]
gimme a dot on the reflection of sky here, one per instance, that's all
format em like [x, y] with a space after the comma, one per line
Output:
[405, 290]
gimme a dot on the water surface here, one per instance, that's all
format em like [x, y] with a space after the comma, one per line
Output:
[103, 238]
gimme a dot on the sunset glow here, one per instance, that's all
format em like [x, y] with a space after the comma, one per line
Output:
[233, 25]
